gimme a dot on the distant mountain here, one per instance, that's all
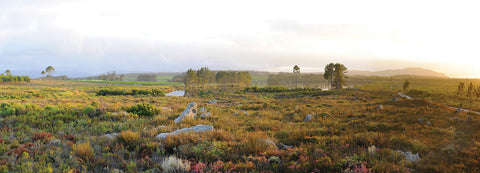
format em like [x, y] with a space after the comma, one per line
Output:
[414, 71]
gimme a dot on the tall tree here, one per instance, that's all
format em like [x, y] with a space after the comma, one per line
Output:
[339, 75]
[296, 71]
[328, 74]
[43, 73]
[7, 72]
[50, 70]
[190, 78]
[406, 85]
[461, 88]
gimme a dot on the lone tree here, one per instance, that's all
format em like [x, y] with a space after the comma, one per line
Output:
[328, 74]
[406, 85]
[50, 70]
[339, 75]
[7, 72]
[296, 71]
[43, 73]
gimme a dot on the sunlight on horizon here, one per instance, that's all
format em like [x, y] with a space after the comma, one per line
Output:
[437, 35]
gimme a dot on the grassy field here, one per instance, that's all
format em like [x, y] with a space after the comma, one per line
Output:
[132, 82]
[159, 78]
[52, 126]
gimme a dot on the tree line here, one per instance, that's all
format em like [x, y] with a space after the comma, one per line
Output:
[111, 76]
[7, 76]
[470, 92]
[204, 77]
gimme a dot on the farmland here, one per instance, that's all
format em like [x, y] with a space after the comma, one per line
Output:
[67, 126]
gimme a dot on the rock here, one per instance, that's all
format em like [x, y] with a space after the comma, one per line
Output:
[459, 109]
[428, 123]
[409, 156]
[160, 127]
[454, 118]
[268, 142]
[379, 107]
[205, 115]
[394, 99]
[189, 112]
[244, 112]
[372, 150]
[212, 101]
[55, 142]
[308, 118]
[110, 136]
[196, 129]
[420, 121]
[284, 147]
[202, 110]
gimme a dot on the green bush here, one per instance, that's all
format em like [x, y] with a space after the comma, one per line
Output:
[152, 92]
[143, 109]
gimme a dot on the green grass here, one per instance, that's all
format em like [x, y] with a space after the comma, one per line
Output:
[132, 82]
[259, 80]
[159, 78]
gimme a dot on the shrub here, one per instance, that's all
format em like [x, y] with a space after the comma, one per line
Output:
[84, 151]
[174, 164]
[41, 136]
[129, 138]
[143, 109]
[90, 111]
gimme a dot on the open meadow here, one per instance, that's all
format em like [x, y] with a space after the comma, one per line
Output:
[61, 126]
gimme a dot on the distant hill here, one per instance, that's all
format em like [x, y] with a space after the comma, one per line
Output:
[414, 71]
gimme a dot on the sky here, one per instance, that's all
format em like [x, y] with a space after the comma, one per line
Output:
[91, 37]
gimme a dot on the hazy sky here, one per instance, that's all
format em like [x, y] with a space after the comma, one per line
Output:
[96, 36]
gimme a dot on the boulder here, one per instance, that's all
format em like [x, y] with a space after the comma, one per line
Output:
[379, 107]
[409, 156]
[189, 112]
[267, 142]
[284, 147]
[205, 115]
[202, 110]
[194, 129]
[428, 123]
[420, 120]
[454, 118]
[110, 136]
[308, 118]
[55, 142]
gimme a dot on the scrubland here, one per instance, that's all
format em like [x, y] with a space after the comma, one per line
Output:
[68, 127]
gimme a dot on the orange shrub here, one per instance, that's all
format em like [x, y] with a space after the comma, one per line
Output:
[84, 151]
[129, 138]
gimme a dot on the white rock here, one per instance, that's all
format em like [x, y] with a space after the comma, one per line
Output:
[189, 112]
[195, 129]
[308, 118]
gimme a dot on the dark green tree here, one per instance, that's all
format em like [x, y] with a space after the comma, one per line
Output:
[339, 75]
[406, 85]
[50, 70]
[328, 74]
[296, 71]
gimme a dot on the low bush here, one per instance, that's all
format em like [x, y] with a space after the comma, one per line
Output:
[143, 109]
